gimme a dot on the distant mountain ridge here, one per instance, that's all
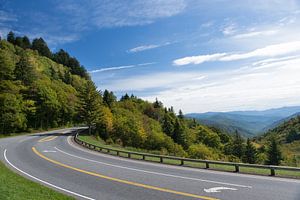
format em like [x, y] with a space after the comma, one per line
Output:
[248, 123]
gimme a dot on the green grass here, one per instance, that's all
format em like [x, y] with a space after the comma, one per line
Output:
[219, 167]
[15, 187]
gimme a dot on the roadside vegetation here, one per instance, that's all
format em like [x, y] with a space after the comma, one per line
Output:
[14, 186]
[40, 89]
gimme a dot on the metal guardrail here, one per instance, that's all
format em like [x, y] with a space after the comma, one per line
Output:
[180, 159]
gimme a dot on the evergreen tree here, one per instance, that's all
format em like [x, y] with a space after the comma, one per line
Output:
[41, 46]
[180, 115]
[125, 97]
[26, 43]
[11, 37]
[179, 135]
[168, 124]
[108, 98]
[90, 105]
[250, 153]
[157, 104]
[274, 155]
[238, 145]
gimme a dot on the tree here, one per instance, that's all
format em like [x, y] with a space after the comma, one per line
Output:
[292, 136]
[157, 104]
[238, 145]
[250, 153]
[90, 104]
[104, 125]
[11, 37]
[26, 43]
[180, 115]
[7, 65]
[41, 46]
[179, 135]
[125, 97]
[24, 70]
[168, 124]
[274, 155]
[108, 98]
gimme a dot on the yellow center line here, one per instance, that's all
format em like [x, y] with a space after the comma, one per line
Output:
[47, 139]
[122, 181]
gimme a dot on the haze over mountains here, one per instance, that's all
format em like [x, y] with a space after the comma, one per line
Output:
[248, 123]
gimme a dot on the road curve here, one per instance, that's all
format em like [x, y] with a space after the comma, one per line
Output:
[52, 159]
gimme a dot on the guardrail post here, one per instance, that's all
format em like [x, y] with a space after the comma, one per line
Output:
[108, 151]
[161, 159]
[237, 168]
[118, 153]
[272, 172]
[182, 162]
[144, 157]
[129, 155]
[207, 165]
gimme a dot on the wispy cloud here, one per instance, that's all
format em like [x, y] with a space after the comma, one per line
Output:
[255, 34]
[267, 51]
[229, 29]
[104, 69]
[198, 59]
[147, 47]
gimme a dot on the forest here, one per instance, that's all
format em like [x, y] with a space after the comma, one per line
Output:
[40, 89]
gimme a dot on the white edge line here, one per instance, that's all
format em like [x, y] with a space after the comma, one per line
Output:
[156, 173]
[279, 179]
[65, 190]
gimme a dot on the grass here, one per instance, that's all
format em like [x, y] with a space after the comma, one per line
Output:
[16, 187]
[219, 167]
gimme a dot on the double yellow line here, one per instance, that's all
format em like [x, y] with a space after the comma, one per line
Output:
[122, 181]
[47, 139]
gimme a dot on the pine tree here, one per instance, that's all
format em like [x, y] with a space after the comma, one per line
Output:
[26, 42]
[108, 98]
[180, 115]
[238, 145]
[274, 155]
[41, 46]
[250, 153]
[179, 135]
[11, 37]
[90, 105]
[168, 124]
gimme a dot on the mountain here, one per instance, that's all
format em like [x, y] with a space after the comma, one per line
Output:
[248, 123]
[288, 135]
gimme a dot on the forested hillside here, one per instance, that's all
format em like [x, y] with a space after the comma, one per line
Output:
[35, 91]
[40, 89]
[288, 136]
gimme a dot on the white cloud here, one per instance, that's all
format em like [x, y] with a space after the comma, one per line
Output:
[229, 29]
[267, 51]
[250, 88]
[147, 47]
[255, 34]
[120, 67]
[117, 13]
[198, 59]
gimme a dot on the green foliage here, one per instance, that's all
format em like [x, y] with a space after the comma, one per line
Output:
[41, 46]
[250, 153]
[238, 147]
[274, 155]
[200, 151]
[109, 98]
[90, 104]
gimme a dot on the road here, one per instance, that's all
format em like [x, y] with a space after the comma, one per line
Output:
[52, 159]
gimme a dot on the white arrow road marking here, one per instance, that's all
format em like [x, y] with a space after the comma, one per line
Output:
[218, 189]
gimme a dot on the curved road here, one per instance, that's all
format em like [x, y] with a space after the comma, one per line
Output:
[54, 160]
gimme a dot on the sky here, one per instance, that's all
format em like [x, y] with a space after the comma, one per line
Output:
[194, 55]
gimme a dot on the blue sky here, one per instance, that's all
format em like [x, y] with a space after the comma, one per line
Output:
[197, 55]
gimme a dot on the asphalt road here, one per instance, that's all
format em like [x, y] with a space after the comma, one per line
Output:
[55, 161]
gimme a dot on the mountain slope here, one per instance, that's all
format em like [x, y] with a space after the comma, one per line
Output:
[248, 123]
